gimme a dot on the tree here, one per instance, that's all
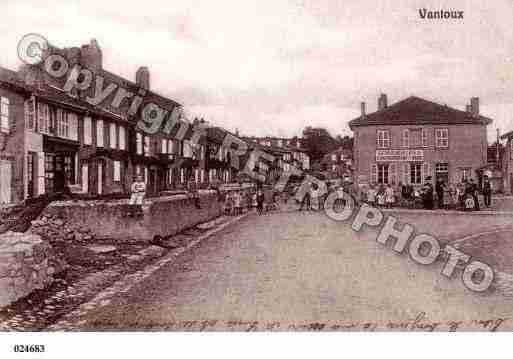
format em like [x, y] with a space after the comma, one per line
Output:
[318, 142]
[345, 142]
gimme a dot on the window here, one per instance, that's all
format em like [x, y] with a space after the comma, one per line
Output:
[43, 118]
[465, 174]
[99, 133]
[442, 171]
[415, 173]
[170, 147]
[334, 157]
[383, 139]
[163, 148]
[122, 138]
[62, 123]
[442, 168]
[139, 145]
[4, 114]
[117, 171]
[73, 126]
[29, 113]
[424, 137]
[88, 135]
[383, 173]
[49, 172]
[66, 124]
[406, 138]
[442, 137]
[113, 135]
[280, 143]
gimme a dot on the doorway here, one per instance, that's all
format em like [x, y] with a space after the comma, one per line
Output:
[442, 172]
[59, 171]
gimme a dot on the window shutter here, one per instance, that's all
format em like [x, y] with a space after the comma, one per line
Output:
[139, 140]
[99, 133]
[122, 138]
[87, 130]
[164, 146]
[406, 173]
[112, 135]
[74, 127]
[374, 173]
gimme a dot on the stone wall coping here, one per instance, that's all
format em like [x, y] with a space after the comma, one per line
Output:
[125, 201]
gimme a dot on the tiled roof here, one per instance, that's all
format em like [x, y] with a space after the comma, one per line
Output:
[58, 96]
[11, 78]
[162, 101]
[417, 111]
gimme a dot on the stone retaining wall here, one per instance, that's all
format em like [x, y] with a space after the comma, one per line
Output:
[118, 220]
[26, 264]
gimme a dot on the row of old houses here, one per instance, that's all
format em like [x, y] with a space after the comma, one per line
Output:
[50, 140]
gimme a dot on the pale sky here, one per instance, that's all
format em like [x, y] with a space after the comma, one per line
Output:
[272, 67]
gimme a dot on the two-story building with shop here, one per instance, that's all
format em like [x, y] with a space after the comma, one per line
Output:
[414, 139]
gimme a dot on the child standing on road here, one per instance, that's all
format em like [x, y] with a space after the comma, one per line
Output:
[228, 204]
[389, 196]
[137, 191]
[380, 197]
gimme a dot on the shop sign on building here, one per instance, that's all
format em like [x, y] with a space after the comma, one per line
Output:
[399, 155]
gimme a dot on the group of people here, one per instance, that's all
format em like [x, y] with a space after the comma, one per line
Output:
[313, 199]
[236, 202]
[463, 195]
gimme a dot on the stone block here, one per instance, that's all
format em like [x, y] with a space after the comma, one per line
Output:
[24, 259]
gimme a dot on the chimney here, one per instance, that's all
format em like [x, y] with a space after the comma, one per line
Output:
[467, 108]
[90, 55]
[474, 106]
[363, 109]
[382, 102]
[142, 77]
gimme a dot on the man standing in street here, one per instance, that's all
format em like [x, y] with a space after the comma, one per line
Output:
[260, 197]
[439, 188]
[306, 201]
[427, 194]
[473, 193]
[487, 192]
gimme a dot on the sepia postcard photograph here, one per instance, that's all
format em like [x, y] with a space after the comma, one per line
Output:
[285, 167]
